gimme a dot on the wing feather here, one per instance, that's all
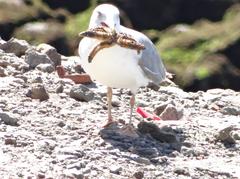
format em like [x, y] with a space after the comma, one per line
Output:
[149, 60]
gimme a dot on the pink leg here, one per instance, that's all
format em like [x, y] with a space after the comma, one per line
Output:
[132, 103]
[109, 101]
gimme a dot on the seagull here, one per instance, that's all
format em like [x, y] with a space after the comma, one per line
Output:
[119, 67]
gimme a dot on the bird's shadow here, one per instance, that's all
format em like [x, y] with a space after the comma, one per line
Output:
[151, 142]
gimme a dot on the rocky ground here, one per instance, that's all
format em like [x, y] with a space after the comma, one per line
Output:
[199, 40]
[51, 127]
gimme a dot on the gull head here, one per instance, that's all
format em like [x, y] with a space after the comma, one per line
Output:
[105, 15]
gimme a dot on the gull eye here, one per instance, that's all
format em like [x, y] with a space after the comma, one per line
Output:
[99, 14]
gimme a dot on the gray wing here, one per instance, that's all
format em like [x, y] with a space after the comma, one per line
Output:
[150, 62]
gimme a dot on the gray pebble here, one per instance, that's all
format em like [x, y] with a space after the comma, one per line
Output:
[9, 118]
[82, 93]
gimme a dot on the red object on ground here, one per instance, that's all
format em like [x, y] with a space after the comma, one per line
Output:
[145, 114]
[77, 78]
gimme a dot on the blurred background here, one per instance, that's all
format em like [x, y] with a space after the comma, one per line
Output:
[199, 40]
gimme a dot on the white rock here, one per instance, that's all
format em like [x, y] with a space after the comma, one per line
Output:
[49, 68]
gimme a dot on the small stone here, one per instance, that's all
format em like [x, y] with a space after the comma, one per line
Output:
[2, 72]
[82, 93]
[171, 113]
[38, 91]
[40, 175]
[225, 136]
[4, 63]
[33, 58]
[78, 68]
[138, 175]
[10, 141]
[115, 102]
[231, 110]
[51, 52]
[59, 88]
[49, 68]
[181, 171]
[18, 47]
[115, 169]
[9, 118]
[61, 124]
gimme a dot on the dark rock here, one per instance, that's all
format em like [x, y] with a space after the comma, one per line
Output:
[156, 132]
[147, 151]
[18, 47]
[59, 88]
[78, 68]
[2, 72]
[51, 52]
[34, 58]
[9, 119]
[10, 141]
[138, 175]
[181, 171]
[225, 134]
[40, 175]
[231, 110]
[82, 93]
[38, 91]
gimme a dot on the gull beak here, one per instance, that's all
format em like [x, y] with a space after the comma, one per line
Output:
[111, 26]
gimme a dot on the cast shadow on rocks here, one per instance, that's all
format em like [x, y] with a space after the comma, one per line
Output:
[152, 141]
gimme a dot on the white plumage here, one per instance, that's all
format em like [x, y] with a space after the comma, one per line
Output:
[116, 66]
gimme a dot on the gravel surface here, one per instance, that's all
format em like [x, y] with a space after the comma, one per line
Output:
[51, 127]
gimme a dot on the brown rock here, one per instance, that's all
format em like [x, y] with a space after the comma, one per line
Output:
[171, 113]
[38, 91]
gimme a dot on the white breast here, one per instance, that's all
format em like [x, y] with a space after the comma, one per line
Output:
[114, 67]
